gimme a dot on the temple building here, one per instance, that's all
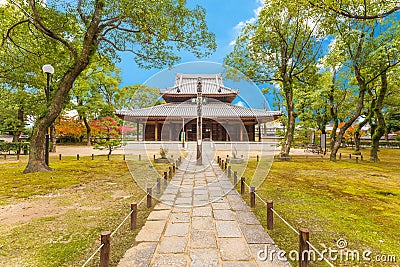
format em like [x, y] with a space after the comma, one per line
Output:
[177, 119]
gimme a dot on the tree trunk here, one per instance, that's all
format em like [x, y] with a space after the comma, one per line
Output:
[289, 134]
[88, 131]
[380, 119]
[36, 161]
[53, 139]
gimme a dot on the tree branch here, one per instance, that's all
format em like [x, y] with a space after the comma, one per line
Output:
[347, 14]
[39, 25]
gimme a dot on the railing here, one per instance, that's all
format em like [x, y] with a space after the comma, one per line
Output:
[105, 237]
[303, 233]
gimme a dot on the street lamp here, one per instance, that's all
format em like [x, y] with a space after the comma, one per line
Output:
[199, 121]
[48, 69]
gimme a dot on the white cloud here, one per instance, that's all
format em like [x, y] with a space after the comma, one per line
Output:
[238, 27]
[240, 104]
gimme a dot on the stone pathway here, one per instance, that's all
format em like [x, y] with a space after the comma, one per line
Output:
[201, 221]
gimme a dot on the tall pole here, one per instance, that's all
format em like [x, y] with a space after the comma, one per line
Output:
[199, 121]
[47, 91]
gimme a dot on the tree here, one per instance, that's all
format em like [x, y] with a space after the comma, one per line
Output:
[107, 134]
[361, 10]
[365, 49]
[281, 47]
[152, 31]
[137, 96]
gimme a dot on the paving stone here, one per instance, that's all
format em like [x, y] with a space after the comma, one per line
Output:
[201, 258]
[255, 234]
[139, 255]
[234, 249]
[224, 215]
[202, 239]
[268, 256]
[151, 231]
[202, 211]
[162, 206]
[177, 229]
[227, 229]
[182, 217]
[157, 215]
[220, 205]
[176, 209]
[202, 223]
[238, 264]
[239, 206]
[172, 244]
[176, 260]
[246, 217]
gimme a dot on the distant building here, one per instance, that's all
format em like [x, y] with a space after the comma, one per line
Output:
[222, 120]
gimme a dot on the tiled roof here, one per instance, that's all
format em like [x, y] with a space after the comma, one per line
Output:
[186, 84]
[189, 110]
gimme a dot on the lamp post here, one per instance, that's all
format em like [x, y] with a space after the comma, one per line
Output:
[48, 69]
[199, 121]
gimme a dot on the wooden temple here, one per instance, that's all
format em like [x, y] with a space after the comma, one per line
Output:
[176, 120]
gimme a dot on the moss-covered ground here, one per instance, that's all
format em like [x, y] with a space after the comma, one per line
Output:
[55, 218]
[359, 202]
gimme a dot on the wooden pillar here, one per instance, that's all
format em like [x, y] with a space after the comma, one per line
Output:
[156, 131]
[259, 132]
[137, 131]
[241, 133]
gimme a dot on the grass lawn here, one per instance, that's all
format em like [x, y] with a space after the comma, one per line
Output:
[55, 218]
[357, 202]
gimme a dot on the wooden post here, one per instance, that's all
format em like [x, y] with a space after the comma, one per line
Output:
[362, 158]
[165, 178]
[59, 156]
[258, 158]
[92, 156]
[303, 247]
[133, 215]
[149, 192]
[234, 178]
[77, 156]
[140, 157]
[340, 155]
[350, 156]
[158, 185]
[226, 165]
[170, 172]
[229, 172]
[173, 168]
[270, 215]
[154, 157]
[356, 159]
[123, 157]
[242, 185]
[105, 249]
[252, 197]
[222, 164]
[218, 159]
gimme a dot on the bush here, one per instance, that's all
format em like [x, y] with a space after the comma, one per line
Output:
[6, 147]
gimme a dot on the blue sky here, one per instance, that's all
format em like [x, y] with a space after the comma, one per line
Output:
[224, 18]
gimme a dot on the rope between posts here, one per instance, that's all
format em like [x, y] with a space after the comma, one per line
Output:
[248, 186]
[288, 224]
[94, 254]
[262, 200]
[119, 226]
[320, 254]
